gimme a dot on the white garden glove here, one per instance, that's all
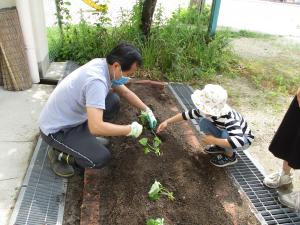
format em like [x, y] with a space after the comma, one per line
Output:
[151, 118]
[136, 129]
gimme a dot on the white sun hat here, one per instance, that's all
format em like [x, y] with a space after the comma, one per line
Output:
[211, 100]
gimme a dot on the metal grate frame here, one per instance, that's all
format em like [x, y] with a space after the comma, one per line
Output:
[42, 196]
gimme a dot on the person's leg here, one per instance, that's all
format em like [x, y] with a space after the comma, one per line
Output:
[286, 168]
[78, 142]
[280, 178]
[82, 147]
[229, 152]
[228, 157]
[207, 127]
[291, 200]
[225, 157]
[60, 167]
[112, 106]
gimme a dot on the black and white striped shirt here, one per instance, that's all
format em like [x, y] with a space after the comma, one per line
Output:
[233, 122]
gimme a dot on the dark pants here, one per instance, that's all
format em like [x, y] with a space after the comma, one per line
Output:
[80, 143]
[286, 141]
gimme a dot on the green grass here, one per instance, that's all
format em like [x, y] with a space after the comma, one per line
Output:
[245, 33]
[54, 42]
[276, 75]
[278, 72]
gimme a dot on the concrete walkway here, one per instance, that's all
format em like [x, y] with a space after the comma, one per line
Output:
[19, 112]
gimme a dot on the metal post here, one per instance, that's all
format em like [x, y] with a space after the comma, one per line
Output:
[213, 21]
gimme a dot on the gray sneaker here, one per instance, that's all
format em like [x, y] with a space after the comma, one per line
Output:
[278, 179]
[291, 200]
[59, 167]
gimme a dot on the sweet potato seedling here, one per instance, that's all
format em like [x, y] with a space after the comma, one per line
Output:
[157, 221]
[157, 190]
[154, 147]
[143, 118]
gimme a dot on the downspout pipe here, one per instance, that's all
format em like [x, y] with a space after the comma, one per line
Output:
[23, 7]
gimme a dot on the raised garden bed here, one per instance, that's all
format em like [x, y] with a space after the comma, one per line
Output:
[203, 193]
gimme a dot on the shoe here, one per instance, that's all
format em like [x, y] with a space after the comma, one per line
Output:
[66, 158]
[59, 167]
[291, 200]
[276, 180]
[222, 160]
[214, 150]
[104, 141]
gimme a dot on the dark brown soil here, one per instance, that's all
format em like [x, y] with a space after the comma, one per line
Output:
[201, 190]
[74, 199]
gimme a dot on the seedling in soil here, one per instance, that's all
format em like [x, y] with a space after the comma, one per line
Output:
[143, 118]
[157, 190]
[157, 221]
[151, 148]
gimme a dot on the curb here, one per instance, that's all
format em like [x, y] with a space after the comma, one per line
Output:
[90, 208]
[155, 84]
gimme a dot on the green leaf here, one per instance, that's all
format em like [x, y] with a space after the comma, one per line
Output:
[171, 196]
[157, 151]
[157, 221]
[143, 118]
[156, 142]
[153, 194]
[143, 141]
[146, 150]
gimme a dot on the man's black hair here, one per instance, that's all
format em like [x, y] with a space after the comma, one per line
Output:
[126, 55]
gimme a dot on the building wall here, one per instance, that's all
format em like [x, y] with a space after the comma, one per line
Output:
[40, 35]
[39, 31]
[7, 3]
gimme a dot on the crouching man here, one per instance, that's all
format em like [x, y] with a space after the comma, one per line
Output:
[76, 116]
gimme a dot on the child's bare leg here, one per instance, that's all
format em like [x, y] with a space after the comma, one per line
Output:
[286, 168]
[228, 153]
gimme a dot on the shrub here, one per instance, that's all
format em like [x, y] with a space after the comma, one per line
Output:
[177, 50]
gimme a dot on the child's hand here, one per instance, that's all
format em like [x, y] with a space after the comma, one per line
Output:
[208, 139]
[298, 96]
[162, 126]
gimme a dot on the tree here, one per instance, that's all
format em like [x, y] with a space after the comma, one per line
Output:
[59, 17]
[147, 15]
[198, 4]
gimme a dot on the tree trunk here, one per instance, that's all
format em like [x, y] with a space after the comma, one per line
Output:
[147, 15]
[198, 4]
[59, 17]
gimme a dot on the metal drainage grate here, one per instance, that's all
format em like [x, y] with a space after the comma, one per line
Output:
[247, 175]
[42, 196]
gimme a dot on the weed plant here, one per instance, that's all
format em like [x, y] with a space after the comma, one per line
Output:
[177, 50]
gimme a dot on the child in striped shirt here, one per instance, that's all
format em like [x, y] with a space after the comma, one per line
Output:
[222, 128]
